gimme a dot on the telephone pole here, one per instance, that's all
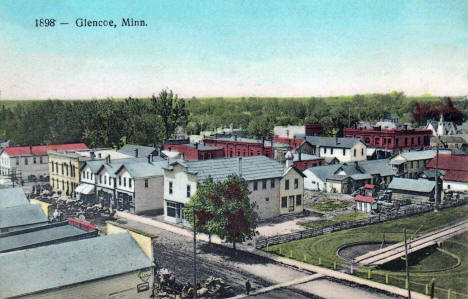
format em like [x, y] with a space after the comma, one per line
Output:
[406, 262]
[194, 256]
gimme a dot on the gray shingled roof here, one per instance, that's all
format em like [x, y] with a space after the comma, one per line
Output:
[143, 170]
[419, 185]
[252, 168]
[324, 172]
[381, 167]
[36, 269]
[21, 215]
[342, 142]
[10, 197]
[40, 235]
[143, 151]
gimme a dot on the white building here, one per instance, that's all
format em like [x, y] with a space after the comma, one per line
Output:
[342, 149]
[274, 189]
[441, 128]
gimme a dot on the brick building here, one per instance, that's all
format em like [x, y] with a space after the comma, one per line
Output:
[295, 135]
[391, 140]
[245, 147]
[197, 151]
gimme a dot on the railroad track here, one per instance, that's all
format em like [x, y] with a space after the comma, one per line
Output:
[387, 254]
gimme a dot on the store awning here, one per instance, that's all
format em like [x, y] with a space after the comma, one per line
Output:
[84, 189]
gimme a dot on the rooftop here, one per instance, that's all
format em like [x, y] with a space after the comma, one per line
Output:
[419, 185]
[250, 140]
[41, 150]
[449, 162]
[252, 168]
[143, 170]
[44, 234]
[21, 215]
[456, 175]
[10, 197]
[143, 151]
[65, 264]
[305, 157]
[342, 142]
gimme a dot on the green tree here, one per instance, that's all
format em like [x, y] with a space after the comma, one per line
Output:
[171, 109]
[223, 208]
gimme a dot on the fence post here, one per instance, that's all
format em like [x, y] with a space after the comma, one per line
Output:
[280, 250]
[406, 283]
[351, 269]
[369, 274]
[386, 278]
[449, 293]
[427, 289]
[334, 265]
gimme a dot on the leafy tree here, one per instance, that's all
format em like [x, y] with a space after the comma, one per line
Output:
[171, 109]
[222, 208]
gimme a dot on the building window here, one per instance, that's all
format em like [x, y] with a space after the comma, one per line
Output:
[264, 183]
[324, 150]
[298, 200]
[34, 160]
[331, 150]
[25, 161]
[100, 179]
[105, 180]
[344, 152]
[146, 183]
[125, 182]
[40, 160]
[17, 161]
[448, 186]
[87, 175]
[267, 199]
[120, 181]
[188, 191]
[296, 183]
[355, 152]
[255, 183]
[284, 202]
[362, 152]
[171, 209]
[286, 185]
[170, 187]
[130, 183]
[272, 183]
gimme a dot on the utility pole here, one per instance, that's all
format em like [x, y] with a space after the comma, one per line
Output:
[406, 261]
[436, 195]
[194, 256]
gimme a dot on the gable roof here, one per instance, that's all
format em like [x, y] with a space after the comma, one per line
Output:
[69, 263]
[252, 168]
[419, 185]
[323, 172]
[21, 215]
[143, 151]
[142, 170]
[10, 197]
[449, 162]
[41, 150]
[456, 175]
[342, 142]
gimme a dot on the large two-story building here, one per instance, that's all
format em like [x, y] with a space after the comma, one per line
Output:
[275, 189]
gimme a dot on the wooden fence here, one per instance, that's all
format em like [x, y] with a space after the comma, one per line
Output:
[308, 233]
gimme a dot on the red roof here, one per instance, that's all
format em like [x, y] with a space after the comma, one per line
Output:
[449, 162]
[41, 150]
[369, 186]
[456, 175]
[364, 198]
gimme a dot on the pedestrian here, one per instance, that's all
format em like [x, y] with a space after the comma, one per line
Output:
[247, 286]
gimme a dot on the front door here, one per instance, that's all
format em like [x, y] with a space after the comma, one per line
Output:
[291, 203]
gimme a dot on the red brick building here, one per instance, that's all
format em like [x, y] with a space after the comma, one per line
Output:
[245, 147]
[315, 129]
[194, 151]
[392, 140]
[292, 142]
[304, 161]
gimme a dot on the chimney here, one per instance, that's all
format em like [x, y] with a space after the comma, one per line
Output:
[108, 159]
[239, 165]
[136, 153]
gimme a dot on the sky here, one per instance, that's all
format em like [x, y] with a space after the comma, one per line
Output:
[201, 48]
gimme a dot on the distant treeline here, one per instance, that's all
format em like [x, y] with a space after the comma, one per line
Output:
[110, 122]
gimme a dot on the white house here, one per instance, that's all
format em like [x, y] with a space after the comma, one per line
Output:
[274, 189]
[343, 149]
[455, 181]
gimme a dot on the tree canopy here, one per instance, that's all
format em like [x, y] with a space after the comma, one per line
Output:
[223, 209]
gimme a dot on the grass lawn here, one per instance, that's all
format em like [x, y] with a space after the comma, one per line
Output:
[449, 267]
[335, 220]
[328, 205]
